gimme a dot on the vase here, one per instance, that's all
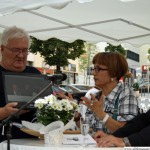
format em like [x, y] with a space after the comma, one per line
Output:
[53, 138]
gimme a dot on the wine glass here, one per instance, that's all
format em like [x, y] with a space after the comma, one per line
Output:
[84, 126]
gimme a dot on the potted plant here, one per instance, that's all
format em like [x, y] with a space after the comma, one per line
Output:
[136, 88]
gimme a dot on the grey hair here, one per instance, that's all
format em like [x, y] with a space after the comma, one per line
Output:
[14, 33]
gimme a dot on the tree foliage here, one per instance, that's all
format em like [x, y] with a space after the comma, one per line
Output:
[112, 48]
[148, 57]
[83, 63]
[57, 52]
[86, 59]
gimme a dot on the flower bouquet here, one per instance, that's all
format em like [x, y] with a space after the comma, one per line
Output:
[51, 109]
[53, 118]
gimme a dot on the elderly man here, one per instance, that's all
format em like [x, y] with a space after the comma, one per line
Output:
[15, 43]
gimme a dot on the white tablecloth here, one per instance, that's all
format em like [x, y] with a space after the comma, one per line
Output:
[34, 144]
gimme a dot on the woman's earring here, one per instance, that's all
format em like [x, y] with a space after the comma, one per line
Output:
[112, 79]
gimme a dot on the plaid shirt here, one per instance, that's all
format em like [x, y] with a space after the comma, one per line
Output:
[127, 106]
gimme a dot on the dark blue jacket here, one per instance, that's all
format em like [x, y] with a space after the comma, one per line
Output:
[137, 130]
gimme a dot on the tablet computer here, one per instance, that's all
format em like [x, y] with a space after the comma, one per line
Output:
[22, 87]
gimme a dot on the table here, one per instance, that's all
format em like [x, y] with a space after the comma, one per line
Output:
[35, 144]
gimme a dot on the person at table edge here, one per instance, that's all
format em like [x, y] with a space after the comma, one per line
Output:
[134, 133]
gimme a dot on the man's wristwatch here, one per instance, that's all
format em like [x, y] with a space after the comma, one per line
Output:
[126, 141]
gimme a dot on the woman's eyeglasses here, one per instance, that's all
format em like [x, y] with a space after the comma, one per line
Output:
[97, 69]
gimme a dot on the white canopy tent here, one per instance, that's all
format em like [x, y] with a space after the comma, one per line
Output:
[112, 21]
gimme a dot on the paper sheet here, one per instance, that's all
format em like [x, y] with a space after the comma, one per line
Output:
[68, 139]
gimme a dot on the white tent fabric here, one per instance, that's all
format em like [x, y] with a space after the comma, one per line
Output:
[111, 21]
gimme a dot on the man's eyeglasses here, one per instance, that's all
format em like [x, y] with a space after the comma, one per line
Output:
[97, 69]
[18, 50]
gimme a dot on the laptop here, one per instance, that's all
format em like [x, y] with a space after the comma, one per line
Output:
[23, 87]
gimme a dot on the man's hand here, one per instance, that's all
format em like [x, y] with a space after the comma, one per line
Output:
[105, 140]
[10, 109]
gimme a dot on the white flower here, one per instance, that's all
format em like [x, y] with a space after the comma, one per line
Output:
[40, 103]
[74, 104]
[56, 106]
[50, 99]
[61, 109]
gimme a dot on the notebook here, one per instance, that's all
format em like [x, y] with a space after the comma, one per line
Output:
[22, 87]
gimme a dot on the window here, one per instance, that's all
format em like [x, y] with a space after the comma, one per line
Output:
[133, 56]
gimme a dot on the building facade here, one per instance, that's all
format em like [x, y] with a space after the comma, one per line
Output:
[71, 70]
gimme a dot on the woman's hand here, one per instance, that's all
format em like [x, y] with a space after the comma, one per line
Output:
[98, 135]
[63, 96]
[95, 105]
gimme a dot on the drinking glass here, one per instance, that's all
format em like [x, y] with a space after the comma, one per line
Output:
[84, 126]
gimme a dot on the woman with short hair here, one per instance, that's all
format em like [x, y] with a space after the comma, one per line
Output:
[115, 104]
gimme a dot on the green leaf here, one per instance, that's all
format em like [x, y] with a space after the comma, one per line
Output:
[57, 52]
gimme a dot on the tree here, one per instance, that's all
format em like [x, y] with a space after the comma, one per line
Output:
[57, 52]
[85, 60]
[112, 48]
[148, 57]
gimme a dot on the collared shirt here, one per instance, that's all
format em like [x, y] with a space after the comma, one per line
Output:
[127, 106]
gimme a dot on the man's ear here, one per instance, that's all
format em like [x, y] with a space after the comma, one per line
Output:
[2, 48]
